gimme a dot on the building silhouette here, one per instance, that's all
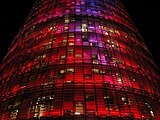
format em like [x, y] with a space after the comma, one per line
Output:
[79, 60]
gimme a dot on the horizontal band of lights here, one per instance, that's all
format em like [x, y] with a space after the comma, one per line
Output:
[79, 60]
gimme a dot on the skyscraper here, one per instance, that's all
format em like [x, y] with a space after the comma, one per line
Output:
[79, 60]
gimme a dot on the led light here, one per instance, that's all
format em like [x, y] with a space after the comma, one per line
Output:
[77, 113]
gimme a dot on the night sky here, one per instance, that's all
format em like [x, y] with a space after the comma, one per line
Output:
[144, 13]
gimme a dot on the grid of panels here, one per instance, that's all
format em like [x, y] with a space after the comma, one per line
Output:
[82, 59]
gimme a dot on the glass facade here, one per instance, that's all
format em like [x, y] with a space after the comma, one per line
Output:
[79, 60]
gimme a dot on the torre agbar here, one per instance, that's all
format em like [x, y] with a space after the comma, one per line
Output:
[79, 60]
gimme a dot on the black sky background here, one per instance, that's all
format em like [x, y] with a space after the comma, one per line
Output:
[144, 13]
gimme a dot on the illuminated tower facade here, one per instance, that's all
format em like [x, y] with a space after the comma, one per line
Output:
[79, 60]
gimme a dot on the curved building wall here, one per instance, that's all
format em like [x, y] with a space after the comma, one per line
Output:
[79, 59]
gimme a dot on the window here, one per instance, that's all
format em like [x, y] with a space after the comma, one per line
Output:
[69, 82]
[14, 111]
[70, 70]
[78, 56]
[108, 100]
[66, 28]
[79, 108]
[95, 62]
[62, 71]
[78, 27]
[40, 105]
[72, 43]
[70, 51]
[41, 57]
[95, 70]
[84, 28]
[94, 57]
[107, 54]
[71, 35]
[84, 38]
[64, 41]
[89, 98]
[55, 28]
[72, 20]
[63, 57]
[66, 21]
[120, 78]
[126, 100]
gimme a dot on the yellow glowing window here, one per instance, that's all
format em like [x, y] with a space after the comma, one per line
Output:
[111, 30]
[70, 52]
[62, 71]
[63, 57]
[123, 99]
[64, 41]
[120, 78]
[126, 100]
[95, 70]
[95, 62]
[66, 21]
[84, 27]
[71, 35]
[152, 114]
[51, 28]
[70, 70]
[116, 31]
[44, 56]
[70, 44]
[79, 108]
[126, 36]
[106, 33]
[102, 71]
[101, 26]
[69, 82]
[40, 57]
[108, 41]
[66, 28]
